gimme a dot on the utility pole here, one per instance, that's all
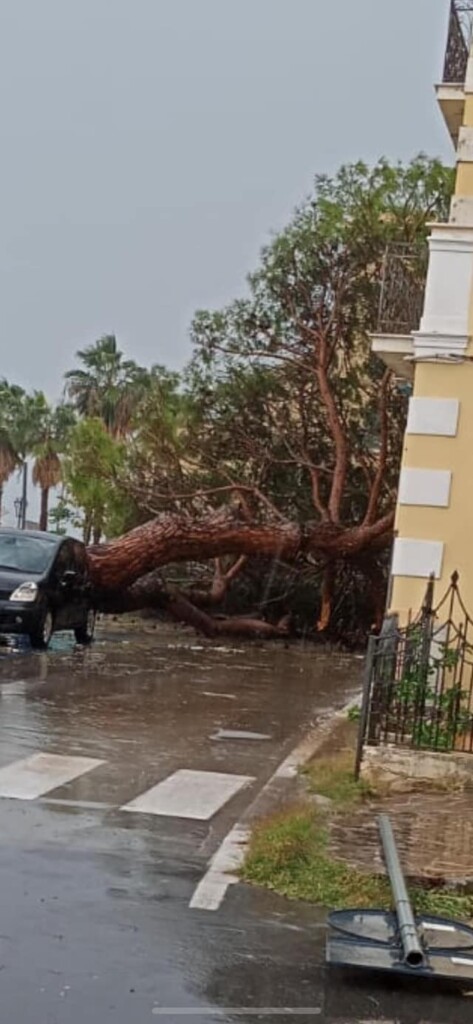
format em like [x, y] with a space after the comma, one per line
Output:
[24, 496]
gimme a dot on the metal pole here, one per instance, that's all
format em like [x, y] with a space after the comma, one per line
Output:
[24, 499]
[365, 705]
[413, 953]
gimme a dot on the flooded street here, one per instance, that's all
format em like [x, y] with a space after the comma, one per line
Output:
[123, 768]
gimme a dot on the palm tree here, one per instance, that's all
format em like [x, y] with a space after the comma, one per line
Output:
[8, 462]
[52, 431]
[47, 473]
[109, 387]
[11, 398]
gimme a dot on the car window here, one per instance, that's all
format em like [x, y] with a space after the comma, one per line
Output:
[25, 554]
[64, 560]
[80, 558]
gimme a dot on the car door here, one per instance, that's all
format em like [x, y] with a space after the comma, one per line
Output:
[61, 587]
[80, 589]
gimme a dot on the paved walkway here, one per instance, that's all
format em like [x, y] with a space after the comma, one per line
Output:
[434, 834]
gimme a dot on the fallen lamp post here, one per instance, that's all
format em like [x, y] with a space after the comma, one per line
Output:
[398, 941]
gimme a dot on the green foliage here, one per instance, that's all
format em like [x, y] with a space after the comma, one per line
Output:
[428, 701]
[93, 462]
[333, 777]
[256, 374]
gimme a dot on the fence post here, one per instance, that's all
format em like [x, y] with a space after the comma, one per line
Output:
[427, 620]
[365, 702]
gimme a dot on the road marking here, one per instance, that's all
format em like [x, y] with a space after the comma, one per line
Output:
[210, 891]
[189, 794]
[224, 864]
[238, 734]
[39, 774]
[243, 1011]
[224, 696]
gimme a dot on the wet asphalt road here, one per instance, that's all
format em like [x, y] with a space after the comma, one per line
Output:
[95, 919]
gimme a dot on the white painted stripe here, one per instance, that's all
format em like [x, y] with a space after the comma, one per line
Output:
[220, 1012]
[224, 1012]
[39, 774]
[230, 855]
[433, 927]
[189, 794]
[226, 861]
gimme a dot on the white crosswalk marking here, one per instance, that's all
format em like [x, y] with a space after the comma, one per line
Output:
[34, 776]
[189, 794]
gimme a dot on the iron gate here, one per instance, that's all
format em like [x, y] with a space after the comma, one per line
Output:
[418, 684]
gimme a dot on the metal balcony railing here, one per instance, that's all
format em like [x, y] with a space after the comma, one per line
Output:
[460, 33]
[401, 300]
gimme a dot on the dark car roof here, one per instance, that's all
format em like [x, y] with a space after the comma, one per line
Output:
[51, 538]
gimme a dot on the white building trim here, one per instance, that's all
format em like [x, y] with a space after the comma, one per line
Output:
[461, 212]
[427, 487]
[444, 328]
[465, 145]
[417, 558]
[436, 417]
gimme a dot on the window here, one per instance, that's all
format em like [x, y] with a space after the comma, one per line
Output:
[25, 554]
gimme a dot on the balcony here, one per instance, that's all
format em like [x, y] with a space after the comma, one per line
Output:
[400, 306]
[451, 91]
[460, 31]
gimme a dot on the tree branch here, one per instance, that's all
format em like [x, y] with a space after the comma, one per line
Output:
[383, 453]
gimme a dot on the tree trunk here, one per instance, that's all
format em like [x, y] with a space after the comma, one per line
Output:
[44, 513]
[1, 502]
[96, 534]
[125, 572]
[87, 528]
[177, 538]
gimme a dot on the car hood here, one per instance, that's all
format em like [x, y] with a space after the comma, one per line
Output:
[10, 579]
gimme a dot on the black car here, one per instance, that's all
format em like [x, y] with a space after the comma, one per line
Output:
[44, 586]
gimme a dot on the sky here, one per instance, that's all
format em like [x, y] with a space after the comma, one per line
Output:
[149, 147]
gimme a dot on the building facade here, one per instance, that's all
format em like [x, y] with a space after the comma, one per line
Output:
[434, 519]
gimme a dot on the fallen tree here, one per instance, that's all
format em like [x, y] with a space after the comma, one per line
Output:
[126, 573]
[281, 443]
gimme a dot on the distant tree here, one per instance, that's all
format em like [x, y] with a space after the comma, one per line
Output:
[93, 461]
[107, 386]
[52, 430]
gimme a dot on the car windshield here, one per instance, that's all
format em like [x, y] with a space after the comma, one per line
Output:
[25, 554]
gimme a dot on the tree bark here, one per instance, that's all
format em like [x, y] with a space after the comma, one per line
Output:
[125, 573]
[177, 538]
[43, 516]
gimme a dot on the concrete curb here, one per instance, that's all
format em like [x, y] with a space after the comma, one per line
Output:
[230, 855]
[276, 788]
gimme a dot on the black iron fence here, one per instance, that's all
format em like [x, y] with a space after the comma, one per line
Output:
[460, 30]
[402, 288]
[418, 689]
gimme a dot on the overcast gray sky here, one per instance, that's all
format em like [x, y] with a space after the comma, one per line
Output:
[150, 146]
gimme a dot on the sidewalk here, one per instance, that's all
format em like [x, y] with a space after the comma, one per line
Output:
[434, 833]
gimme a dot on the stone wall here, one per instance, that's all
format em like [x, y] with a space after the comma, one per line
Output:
[401, 770]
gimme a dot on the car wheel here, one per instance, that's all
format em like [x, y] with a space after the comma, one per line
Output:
[41, 639]
[85, 633]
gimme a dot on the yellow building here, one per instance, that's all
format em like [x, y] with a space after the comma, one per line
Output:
[434, 520]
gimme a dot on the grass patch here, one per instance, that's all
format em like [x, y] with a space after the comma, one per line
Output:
[289, 854]
[332, 776]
